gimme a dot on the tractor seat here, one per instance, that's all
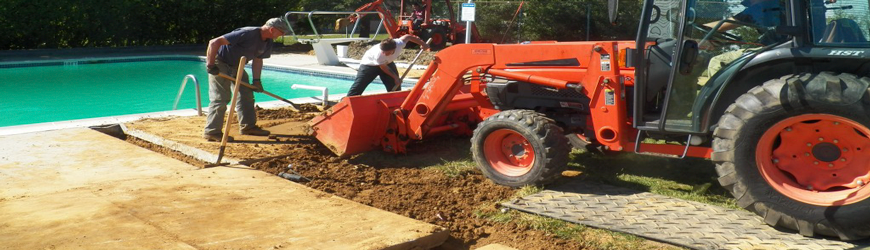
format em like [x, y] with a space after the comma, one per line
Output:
[843, 31]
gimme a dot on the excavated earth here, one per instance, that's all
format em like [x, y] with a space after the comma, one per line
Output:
[357, 49]
[397, 183]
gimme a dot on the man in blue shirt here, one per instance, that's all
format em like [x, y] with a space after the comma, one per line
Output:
[762, 13]
[224, 52]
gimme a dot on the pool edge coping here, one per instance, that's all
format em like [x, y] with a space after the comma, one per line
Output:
[120, 119]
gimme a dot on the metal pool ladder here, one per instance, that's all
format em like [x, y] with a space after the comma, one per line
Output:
[180, 91]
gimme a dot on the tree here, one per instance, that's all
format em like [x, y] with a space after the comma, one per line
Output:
[96, 23]
[566, 20]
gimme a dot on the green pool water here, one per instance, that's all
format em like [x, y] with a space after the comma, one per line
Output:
[57, 93]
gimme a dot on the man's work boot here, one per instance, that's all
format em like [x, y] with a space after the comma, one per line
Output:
[255, 130]
[216, 137]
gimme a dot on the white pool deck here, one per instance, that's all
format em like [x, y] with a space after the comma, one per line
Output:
[64, 186]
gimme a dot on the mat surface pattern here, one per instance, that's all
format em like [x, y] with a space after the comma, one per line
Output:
[685, 223]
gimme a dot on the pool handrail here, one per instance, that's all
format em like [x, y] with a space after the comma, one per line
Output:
[324, 91]
[181, 91]
[319, 36]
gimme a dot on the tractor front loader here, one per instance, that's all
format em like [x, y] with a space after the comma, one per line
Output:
[451, 96]
[779, 102]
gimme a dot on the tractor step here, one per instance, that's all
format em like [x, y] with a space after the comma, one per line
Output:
[684, 223]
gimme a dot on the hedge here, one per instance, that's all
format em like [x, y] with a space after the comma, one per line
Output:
[47, 24]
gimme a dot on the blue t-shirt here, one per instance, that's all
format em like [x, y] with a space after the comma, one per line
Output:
[246, 42]
[763, 13]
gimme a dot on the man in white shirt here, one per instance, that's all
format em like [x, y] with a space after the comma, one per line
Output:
[378, 61]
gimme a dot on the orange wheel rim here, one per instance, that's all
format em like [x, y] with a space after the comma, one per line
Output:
[817, 159]
[508, 152]
[436, 38]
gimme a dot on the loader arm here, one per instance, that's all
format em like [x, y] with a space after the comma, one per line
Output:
[432, 94]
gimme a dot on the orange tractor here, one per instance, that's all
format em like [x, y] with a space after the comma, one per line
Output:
[778, 101]
[441, 30]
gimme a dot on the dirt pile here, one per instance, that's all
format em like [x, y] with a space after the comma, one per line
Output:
[305, 113]
[296, 48]
[357, 49]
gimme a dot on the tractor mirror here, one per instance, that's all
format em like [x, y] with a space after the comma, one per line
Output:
[612, 8]
[688, 57]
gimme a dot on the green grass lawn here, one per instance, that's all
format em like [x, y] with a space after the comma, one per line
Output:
[689, 179]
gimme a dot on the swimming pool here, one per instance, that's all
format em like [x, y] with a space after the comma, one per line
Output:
[37, 92]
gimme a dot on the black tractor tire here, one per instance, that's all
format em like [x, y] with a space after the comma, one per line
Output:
[438, 35]
[520, 134]
[768, 111]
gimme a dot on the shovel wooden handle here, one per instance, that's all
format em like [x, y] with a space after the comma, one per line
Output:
[242, 62]
[292, 105]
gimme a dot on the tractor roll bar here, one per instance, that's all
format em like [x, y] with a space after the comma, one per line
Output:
[309, 14]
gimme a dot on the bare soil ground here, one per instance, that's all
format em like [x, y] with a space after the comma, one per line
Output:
[403, 184]
[397, 183]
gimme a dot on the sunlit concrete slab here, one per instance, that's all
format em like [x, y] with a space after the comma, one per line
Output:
[77, 188]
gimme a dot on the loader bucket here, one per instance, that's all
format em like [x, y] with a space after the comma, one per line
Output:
[357, 123]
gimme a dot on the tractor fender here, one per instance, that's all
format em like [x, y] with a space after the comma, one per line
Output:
[771, 64]
[734, 80]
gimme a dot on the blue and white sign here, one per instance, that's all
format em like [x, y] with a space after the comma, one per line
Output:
[468, 12]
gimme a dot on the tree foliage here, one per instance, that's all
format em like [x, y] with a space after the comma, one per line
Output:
[34, 24]
[566, 20]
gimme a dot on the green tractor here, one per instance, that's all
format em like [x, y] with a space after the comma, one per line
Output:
[778, 89]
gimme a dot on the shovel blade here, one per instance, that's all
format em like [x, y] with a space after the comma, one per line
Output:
[357, 124]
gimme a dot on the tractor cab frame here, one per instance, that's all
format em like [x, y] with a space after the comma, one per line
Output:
[692, 67]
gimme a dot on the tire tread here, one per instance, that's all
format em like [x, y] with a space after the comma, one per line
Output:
[556, 146]
[762, 100]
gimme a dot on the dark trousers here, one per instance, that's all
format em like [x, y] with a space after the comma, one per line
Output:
[366, 74]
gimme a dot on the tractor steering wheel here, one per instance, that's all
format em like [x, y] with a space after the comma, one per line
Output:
[714, 33]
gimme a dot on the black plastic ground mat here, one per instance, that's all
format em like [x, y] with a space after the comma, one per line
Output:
[675, 221]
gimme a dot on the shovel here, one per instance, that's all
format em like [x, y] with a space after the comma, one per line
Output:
[410, 66]
[242, 62]
[292, 105]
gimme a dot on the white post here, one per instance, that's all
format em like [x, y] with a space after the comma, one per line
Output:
[468, 30]
[468, 25]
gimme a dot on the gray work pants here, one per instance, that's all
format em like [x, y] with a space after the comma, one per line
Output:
[220, 93]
